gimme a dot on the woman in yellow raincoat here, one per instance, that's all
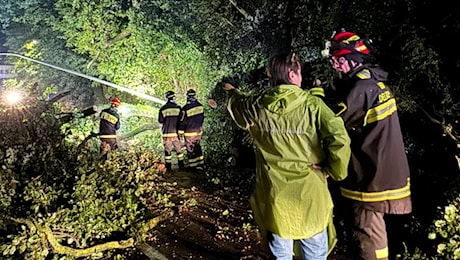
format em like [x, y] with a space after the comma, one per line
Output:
[299, 142]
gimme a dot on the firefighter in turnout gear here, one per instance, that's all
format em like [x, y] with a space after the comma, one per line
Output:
[108, 126]
[169, 117]
[191, 124]
[378, 181]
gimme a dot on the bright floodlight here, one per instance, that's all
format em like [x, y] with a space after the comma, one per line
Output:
[13, 97]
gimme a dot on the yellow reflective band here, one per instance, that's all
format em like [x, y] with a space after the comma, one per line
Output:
[109, 117]
[378, 196]
[344, 108]
[317, 92]
[200, 158]
[364, 74]
[108, 136]
[361, 48]
[169, 157]
[195, 111]
[193, 133]
[381, 85]
[381, 253]
[171, 112]
[170, 135]
[352, 38]
[180, 156]
[380, 112]
[194, 164]
[181, 132]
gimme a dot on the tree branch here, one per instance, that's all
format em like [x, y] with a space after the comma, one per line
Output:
[124, 34]
[46, 234]
[242, 11]
[141, 129]
[447, 128]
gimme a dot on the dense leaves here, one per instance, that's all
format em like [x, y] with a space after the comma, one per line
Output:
[154, 46]
[47, 180]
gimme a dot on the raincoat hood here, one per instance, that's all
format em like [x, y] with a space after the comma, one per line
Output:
[282, 99]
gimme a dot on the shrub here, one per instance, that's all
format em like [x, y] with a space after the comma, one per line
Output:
[446, 231]
[54, 194]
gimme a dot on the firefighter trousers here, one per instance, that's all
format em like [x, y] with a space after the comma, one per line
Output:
[370, 231]
[169, 144]
[194, 152]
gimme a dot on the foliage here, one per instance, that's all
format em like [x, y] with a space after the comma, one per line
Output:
[153, 46]
[445, 231]
[223, 140]
[46, 179]
[28, 33]
[122, 40]
[139, 127]
[219, 137]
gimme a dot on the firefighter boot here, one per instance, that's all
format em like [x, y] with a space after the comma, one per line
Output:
[181, 164]
[168, 166]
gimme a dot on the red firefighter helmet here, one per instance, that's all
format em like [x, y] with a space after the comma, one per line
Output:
[116, 102]
[344, 42]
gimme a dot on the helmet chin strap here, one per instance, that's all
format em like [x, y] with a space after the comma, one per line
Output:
[353, 65]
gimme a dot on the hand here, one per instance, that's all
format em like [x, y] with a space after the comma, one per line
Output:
[317, 83]
[318, 167]
[228, 86]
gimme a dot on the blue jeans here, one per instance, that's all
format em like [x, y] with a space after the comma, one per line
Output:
[313, 248]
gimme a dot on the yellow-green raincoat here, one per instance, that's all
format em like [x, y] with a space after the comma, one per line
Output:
[292, 130]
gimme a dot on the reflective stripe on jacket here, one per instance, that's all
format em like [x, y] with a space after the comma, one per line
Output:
[109, 123]
[169, 117]
[379, 169]
[192, 118]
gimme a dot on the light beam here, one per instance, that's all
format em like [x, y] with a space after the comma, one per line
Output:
[125, 89]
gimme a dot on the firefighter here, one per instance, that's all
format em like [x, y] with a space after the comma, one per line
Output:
[378, 181]
[108, 126]
[191, 125]
[169, 117]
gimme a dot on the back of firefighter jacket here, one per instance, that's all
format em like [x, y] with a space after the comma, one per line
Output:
[169, 117]
[379, 169]
[192, 117]
[110, 122]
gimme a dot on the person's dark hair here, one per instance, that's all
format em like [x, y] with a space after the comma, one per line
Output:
[279, 66]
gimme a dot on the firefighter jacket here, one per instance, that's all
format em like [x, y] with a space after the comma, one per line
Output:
[192, 118]
[169, 117]
[379, 170]
[109, 124]
[292, 130]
